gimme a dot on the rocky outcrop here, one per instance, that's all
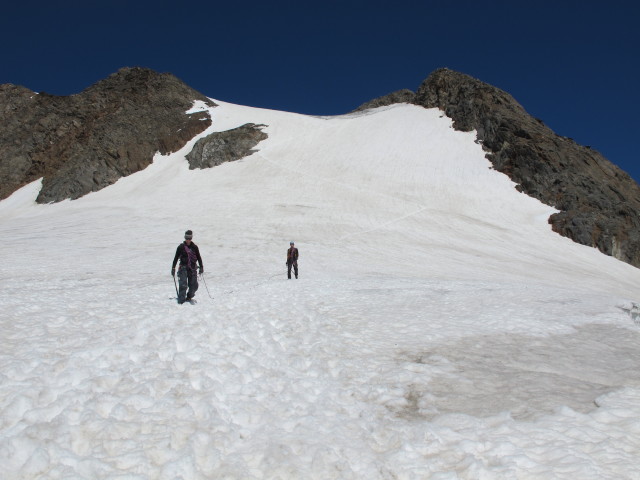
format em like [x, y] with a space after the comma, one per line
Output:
[84, 142]
[228, 146]
[599, 203]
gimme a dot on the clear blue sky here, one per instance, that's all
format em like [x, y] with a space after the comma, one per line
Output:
[573, 64]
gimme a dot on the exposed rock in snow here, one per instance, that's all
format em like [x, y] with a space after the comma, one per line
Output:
[228, 146]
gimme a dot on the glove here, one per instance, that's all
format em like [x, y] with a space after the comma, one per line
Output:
[173, 272]
[201, 270]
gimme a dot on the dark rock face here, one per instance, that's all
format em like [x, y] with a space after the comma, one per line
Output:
[399, 96]
[228, 146]
[85, 142]
[599, 203]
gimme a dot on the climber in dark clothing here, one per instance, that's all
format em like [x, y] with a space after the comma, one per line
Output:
[189, 256]
[292, 260]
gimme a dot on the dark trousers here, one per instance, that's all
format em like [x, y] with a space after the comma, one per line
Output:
[295, 268]
[187, 278]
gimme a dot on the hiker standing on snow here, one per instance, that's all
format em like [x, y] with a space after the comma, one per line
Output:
[292, 260]
[189, 256]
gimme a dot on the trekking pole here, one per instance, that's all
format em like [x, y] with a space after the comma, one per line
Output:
[205, 285]
[176, 285]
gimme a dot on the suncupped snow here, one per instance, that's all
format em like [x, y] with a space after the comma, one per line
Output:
[439, 328]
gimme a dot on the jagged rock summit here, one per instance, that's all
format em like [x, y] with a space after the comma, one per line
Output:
[599, 203]
[84, 142]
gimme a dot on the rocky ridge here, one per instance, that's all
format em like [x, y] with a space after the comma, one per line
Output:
[84, 142]
[599, 203]
[400, 96]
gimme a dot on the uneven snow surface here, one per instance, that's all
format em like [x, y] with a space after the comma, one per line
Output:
[439, 329]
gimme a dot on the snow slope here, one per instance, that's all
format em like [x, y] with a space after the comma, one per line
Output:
[438, 330]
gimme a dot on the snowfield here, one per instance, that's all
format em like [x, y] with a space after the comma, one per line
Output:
[439, 328]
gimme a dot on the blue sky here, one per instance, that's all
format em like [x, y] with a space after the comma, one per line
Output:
[573, 64]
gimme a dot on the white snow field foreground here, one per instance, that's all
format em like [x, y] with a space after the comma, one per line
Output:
[439, 328]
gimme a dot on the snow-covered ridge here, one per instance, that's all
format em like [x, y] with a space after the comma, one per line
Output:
[439, 328]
